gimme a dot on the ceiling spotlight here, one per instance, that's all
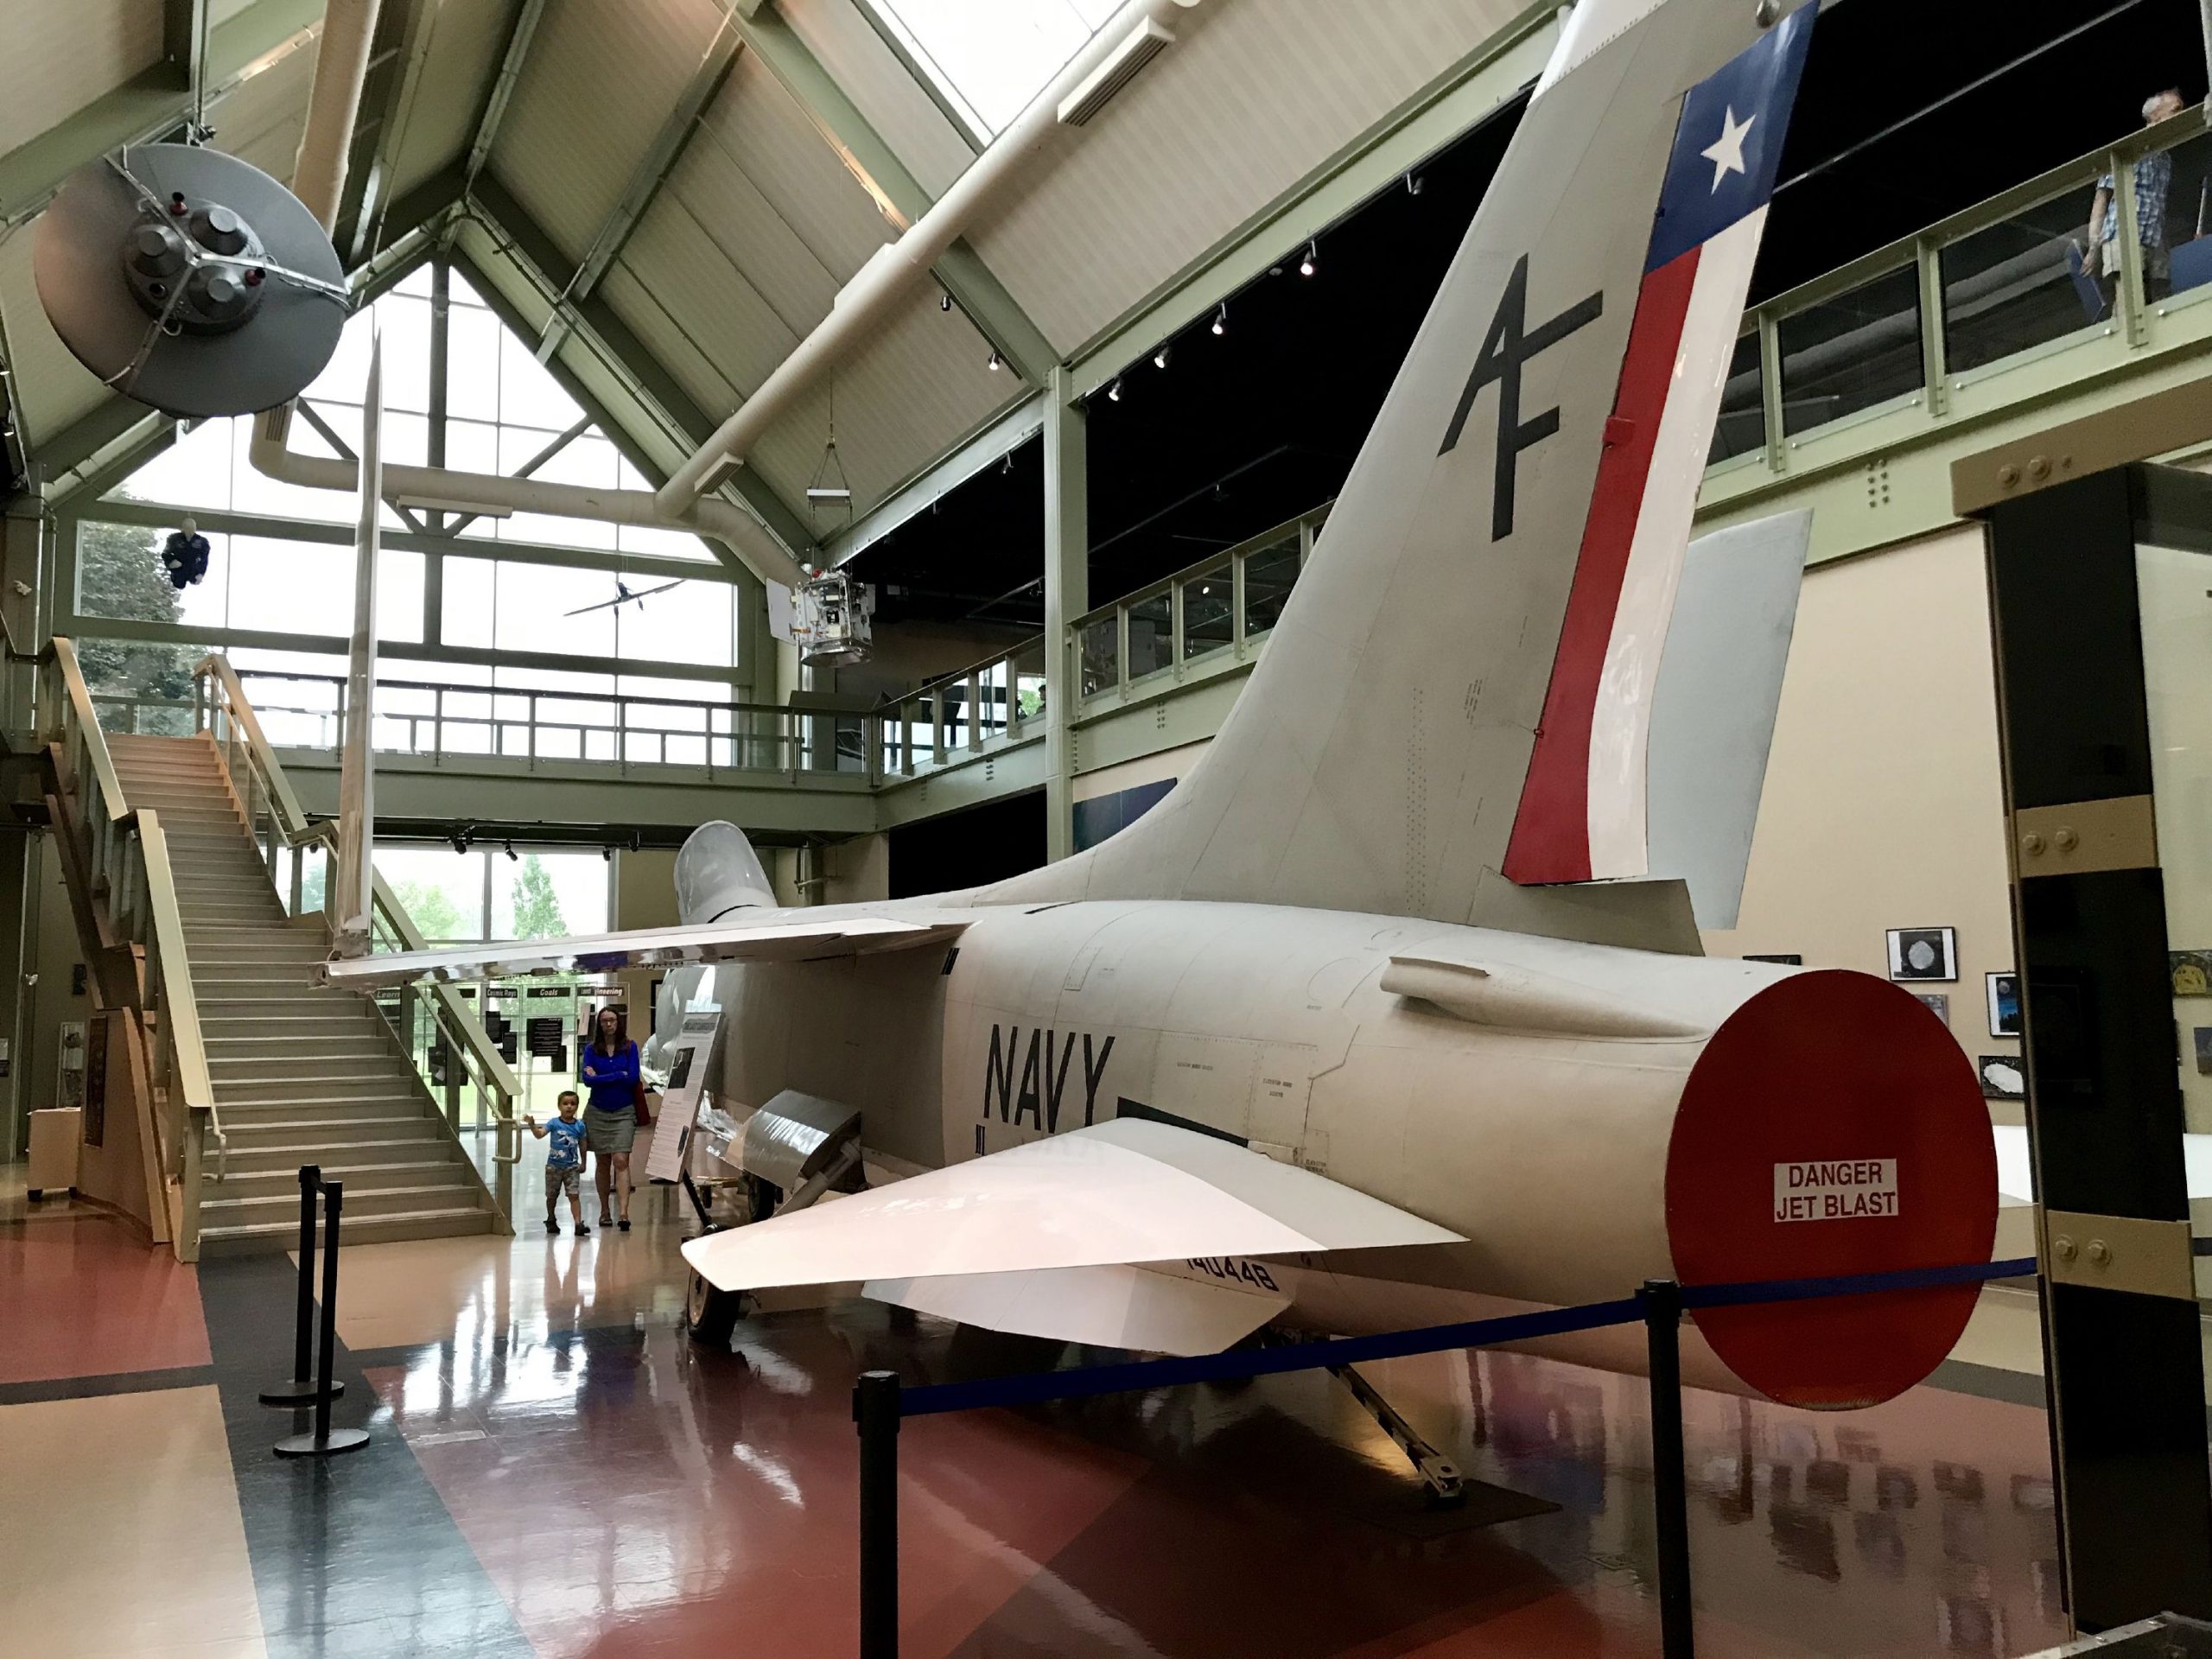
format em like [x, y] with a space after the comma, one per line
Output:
[1006, 467]
[944, 301]
[459, 841]
[1221, 319]
[637, 841]
[1306, 265]
[1114, 393]
[511, 853]
[607, 853]
[1159, 358]
[997, 362]
[1413, 184]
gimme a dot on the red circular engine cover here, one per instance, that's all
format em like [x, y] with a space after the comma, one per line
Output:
[1832, 1126]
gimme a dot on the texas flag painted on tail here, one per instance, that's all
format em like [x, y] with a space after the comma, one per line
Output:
[1582, 814]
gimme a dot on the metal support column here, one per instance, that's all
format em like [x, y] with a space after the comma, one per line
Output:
[2120, 1319]
[1067, 595]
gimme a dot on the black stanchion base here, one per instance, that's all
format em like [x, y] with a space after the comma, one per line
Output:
[307, 1445]
[296, 1393]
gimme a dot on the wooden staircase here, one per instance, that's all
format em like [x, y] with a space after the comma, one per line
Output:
[302, 1073]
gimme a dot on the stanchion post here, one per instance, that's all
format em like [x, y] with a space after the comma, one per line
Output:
[876, 1410]
[1663, 1322]
[326, 1440]
[302, 1388]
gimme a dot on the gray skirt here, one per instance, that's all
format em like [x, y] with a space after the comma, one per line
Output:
[605, 1132]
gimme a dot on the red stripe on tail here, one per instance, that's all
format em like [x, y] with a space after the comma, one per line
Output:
[1551, 830]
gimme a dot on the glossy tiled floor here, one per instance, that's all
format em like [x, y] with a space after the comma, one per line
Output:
[553, 1470]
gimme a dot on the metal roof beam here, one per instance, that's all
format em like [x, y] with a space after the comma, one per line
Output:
[609, 340]
[647, 177]
[394, 79]
[898, 193]
[503, 86]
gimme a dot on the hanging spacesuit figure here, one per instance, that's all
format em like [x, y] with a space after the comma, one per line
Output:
[184, 556]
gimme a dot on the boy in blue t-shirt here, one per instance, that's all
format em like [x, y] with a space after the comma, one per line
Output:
[564, 1162]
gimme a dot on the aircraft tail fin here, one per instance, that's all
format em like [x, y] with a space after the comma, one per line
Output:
[1451, 716]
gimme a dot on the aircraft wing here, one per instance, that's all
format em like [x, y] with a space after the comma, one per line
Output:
[761, 936]
[1038, 1238]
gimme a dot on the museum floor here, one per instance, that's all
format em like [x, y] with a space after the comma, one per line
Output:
[555, 1470]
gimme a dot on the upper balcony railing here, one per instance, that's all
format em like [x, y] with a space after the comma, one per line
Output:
[307, 711]
[1941, 322]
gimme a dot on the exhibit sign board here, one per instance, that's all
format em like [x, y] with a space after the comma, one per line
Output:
[681, 1096]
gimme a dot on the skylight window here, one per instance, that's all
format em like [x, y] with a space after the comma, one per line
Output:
[989, 58]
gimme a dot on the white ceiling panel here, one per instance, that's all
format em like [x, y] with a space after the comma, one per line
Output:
[467, 40]
[689, 277]
[881, 88]
[56, 56]
[1256, 94]
[673, 349]
[54, 390]
[759, 129]
[916, 388]
[598, 80]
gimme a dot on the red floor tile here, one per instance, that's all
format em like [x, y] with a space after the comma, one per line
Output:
[86, 1297]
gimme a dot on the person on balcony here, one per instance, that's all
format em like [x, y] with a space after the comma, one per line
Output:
[2154, 178]
[609, 1067]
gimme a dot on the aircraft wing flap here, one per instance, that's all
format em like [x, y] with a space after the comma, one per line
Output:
[1123, 1192]
[1154, 1311]
[762, 936]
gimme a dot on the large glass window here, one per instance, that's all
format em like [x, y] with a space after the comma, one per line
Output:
[988, 58]
[490, 892]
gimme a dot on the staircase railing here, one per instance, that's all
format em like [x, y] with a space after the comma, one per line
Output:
[132, 895]
[222, 709]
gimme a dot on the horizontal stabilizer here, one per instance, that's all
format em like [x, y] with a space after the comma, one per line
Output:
[1125, 1191]
[800, 935]
[1152, 1311]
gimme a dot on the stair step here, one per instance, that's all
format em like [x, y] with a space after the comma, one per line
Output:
[361, 1176]
[314, 1137]
[397, 1091]
[269, 1238]
[285, 1157]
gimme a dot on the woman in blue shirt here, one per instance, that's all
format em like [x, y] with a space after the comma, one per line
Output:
[608, 1066]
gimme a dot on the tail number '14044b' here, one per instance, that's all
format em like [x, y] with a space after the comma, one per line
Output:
[1036, 1093]
[1236, 1267]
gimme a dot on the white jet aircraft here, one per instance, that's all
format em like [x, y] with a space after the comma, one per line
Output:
[1394, 1011]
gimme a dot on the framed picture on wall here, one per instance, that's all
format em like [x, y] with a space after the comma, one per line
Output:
[1924, 953]
[2004, 1004]
[2003, 1076]
[1937, 1002]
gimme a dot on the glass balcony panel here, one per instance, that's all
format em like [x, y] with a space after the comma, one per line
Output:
[1270, 575]
[993, 686]
[1208, 611]
[1029, 690]
[2020, 284]
[1098, 645]
[1852, 353]
[1742, 426]
[1152, 645]
[959, 722]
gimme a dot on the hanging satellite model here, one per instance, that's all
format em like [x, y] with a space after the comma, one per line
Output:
[830, 618]
[189, 280]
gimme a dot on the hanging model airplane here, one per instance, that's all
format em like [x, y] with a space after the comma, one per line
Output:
[623, 596]
[1392, 1010]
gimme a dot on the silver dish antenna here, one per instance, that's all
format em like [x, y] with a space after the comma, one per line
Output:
[189, 280]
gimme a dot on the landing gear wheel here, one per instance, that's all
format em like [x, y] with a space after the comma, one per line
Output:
[710, 1315]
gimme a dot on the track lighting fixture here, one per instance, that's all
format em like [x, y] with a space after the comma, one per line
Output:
[513, 857]
[459, 841]
[1114, 393]
[637, 841]
[1221, 319]
[1159, 358]
[944, 301]
[1413, 184]
[1306, 265]
[607, 853]
[997, 362]
[1006, 467]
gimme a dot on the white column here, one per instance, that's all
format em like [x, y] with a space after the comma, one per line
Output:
[354, 872]
[1067, 595]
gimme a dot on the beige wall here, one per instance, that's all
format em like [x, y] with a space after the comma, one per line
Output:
[1883, 806]
[1175, 763]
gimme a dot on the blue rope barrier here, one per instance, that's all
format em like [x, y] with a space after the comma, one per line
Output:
[930, 1399]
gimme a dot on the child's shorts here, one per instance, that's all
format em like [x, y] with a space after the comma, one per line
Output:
[557, 1181]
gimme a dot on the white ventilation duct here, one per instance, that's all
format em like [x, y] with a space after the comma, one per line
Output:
[1106, 64]
[1132, 38]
